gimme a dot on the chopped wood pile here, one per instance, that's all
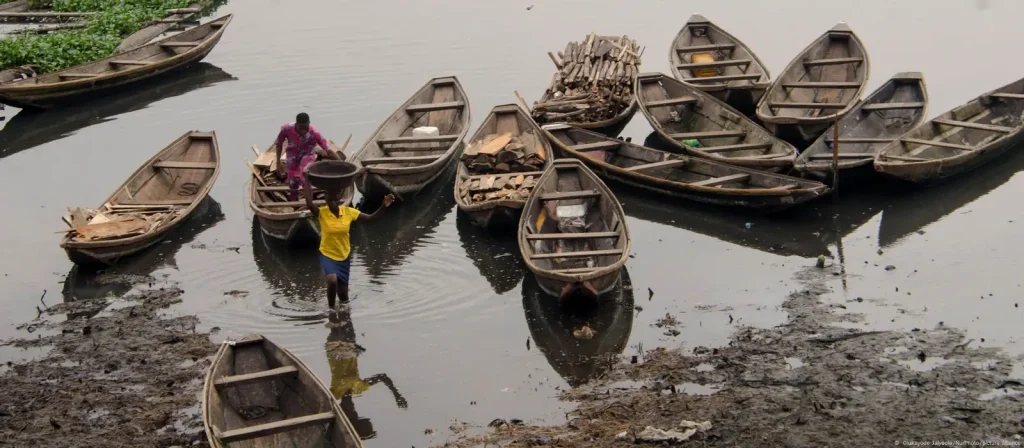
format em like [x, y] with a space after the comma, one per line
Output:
[118, 221]
[503, 167]
[594, 81]
[491, 187]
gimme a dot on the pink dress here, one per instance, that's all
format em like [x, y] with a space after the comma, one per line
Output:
[299, 153]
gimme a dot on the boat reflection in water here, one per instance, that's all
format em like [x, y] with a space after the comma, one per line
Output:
[85, 284]
[29, 129]
[495, 255]
[553, 323]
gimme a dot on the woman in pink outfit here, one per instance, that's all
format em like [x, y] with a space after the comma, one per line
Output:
[302, 140]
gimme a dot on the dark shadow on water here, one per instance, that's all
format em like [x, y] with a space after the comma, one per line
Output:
[495, 255]
[29, 129]
[84, 284]
[553, 323]
[292, 272]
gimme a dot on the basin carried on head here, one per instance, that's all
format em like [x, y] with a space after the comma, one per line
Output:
[332, 175]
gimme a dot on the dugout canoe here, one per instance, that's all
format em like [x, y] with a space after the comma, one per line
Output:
[573, 234]
[680, 112]
[676, 175]
[959, 140]
[258, 395]
[892, 110]
[155, 199]
[116, 72]
[819, 86]
[707, 56]
[398, 162]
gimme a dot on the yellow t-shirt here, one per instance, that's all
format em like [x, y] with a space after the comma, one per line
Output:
[334, 242]
[345, 378]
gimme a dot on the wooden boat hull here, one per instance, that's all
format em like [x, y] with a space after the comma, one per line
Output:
[397, 162]
[611, 238]
[837, 67]
[49, 95]
[496, 215]
[895, 108]
[108, 252]
[679, 111]
[668, 184]
[259, 395]
[699, 35]
[959, 140]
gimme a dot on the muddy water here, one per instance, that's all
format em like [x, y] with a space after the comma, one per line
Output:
[447, 311]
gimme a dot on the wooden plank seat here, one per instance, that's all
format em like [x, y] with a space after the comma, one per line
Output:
[431, 107]
[760, 157]
[891, 106]
[656, 165]
[180, 44]
[129, 62]
[938, 144]
[171, 164]
[1008, 96]
[725, 78]
[413, 148]
[443, 82]
[411, 159]
[970, 125]
[857, 140]
[599, 146]
[418, 139]
[293, 204]
[833, 61]
[716, 181]
[583, 194]
[796, 105]
[584, 254]
[257, 377]
[672, 102]
[572, 236]
[731, 148]
[711, 47]
[844, 155]
[905, 158]
[821, 85]
[268, 429]
[714, 64]
[708, 134]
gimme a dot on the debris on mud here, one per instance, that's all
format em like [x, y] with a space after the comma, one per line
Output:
[850, 388]
[114, 376]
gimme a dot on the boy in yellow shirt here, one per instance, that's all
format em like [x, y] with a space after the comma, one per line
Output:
[335, 222]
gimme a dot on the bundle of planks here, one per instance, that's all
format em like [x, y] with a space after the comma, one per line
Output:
[490, 187]
[594, 81]
[501, 153]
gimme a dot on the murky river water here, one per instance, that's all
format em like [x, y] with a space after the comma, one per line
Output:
[447, 311]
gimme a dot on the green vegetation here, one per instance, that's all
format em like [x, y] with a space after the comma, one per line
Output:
[115, 20]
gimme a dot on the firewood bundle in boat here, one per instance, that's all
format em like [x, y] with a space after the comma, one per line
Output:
[593, 85]
[501, 156]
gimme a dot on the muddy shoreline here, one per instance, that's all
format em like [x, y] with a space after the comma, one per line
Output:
[807, 382]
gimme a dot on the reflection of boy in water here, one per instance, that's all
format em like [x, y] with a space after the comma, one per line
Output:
[342, 357]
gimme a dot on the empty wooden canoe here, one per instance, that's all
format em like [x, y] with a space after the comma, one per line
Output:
[959, 140]
[396, 161]
[892, 110]
[116, 72]
[681, 113]
[280, 217]
[692, 178]
[258, 395]
[573, 234]
[715, 61]
[820, 85]
[155, 199]
[472, 188]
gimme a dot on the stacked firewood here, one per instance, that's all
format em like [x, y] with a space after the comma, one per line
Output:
[594, 81]
[501, 153]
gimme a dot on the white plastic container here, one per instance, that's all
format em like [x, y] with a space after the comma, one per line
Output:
[425, 131]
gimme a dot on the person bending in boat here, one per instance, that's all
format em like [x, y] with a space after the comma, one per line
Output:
[335, 221]
[302, 140]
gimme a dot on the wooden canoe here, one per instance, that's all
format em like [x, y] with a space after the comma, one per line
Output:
[155, 199]
[279, 217]
[115, 72]
[959, 140]
[397, 162]
[820, 85]
[554, 328]
[259, 395]
[681, 112]
[736, 75]
[899, 105]
[501, 212]
[692, 178]
[573, 234]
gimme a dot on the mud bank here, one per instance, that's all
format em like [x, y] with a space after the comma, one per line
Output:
[808, 382]
[117, 374]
